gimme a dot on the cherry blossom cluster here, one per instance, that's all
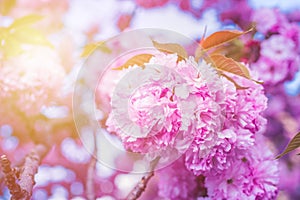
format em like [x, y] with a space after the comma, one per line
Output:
[183, 106]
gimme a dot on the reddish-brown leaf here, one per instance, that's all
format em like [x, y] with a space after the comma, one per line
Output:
[244, 70]
[221, 37]
[171, 48]
[293, 144]
[225, 64]
[139, 60]
[237, 86]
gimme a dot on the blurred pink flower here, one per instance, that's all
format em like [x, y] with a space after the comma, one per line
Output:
[268, 20]
[151, 3]
[279, 60]
[289, 176]
[278, 48]
[291, 31]
[28, 82]
[176, 182]
[275, 73]
[271, 73]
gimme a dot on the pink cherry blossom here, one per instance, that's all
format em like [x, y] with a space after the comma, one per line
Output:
[164, 105]
[241, 118]
[252, 175]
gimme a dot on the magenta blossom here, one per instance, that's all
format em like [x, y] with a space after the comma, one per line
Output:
[279, 60]
[268, 20]
[241, 120]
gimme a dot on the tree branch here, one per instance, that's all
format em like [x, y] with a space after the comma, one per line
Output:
[90, 189]
[140, 187]
[22, 189]
[30, 168]
[10, 179]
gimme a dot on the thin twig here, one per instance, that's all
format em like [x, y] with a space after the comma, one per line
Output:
[90, 186]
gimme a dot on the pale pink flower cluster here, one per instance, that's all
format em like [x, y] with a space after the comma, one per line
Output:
[160, 106]
[187, 107]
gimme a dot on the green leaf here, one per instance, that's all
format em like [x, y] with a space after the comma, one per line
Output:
[11, 48]
[30, 35]
[221, 37]
[171, 48]
[90, 48]
[139, 60]
[20, 32]
[25, 21]
[293, 144]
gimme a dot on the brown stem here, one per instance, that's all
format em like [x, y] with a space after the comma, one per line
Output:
[30, 168]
